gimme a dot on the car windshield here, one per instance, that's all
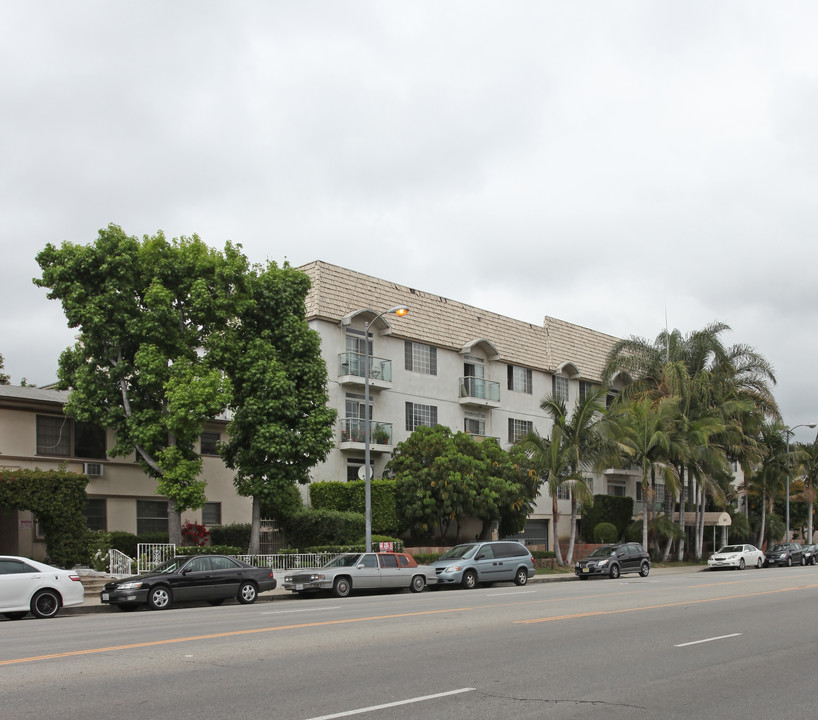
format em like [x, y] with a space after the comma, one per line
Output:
[459, 551]
[779, 548]
[344, 561]
[169, 566]
[604, 551]
[732, 549]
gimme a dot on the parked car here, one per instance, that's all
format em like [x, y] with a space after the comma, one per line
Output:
[784, 554]
[809, 553]
[214, 578]
[493, 561]
[362, 571]
[613, 560]
[31, 586]
[736, 556]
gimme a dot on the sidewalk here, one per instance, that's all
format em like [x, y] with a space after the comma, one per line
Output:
[93, 585]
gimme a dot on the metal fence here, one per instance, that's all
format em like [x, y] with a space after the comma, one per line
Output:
[119, 563]
[149, 555]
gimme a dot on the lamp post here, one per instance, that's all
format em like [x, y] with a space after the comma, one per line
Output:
[789, 431]
[400, 311]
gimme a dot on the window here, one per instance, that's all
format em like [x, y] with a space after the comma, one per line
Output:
[585, 389]
[559, 388]
[563, 492]
[212, 514]
[417, 415]
[388, 561]
[151, 516]
[210, 443]
[610, 398]
[474, 423]
[616, 489]
[96, 514]
[420, 358]
[518, 429]
[15, 567]
[519, 379]
[63, 437]
[355, 407]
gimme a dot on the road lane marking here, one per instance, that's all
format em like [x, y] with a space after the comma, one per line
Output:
[599, 613]
[706, 640]
[371, 708]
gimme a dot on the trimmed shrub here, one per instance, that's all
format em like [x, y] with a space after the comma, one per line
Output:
[606, 508]
[237, 534]
[605, 533]
[351, 496]
[309, 527]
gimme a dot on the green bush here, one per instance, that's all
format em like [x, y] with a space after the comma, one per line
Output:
[126, 542]
[605, 533]
[351, 496]
[237, 534]
[607, 509]
[309, 528]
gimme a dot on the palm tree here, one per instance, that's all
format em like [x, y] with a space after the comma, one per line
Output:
[808, 470]
[583, 442]
[551, 462]
[642, 431]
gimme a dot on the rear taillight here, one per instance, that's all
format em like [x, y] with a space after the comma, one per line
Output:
[75, 578]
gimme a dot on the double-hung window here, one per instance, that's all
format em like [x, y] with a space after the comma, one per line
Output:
[420, 358]
[519, 379]
[518, 429]
[418, 415]
[559, 388]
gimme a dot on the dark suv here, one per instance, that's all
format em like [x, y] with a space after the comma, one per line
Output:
[784, 554]
[613, 560]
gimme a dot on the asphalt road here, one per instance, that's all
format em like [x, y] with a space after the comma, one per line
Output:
[673, 645]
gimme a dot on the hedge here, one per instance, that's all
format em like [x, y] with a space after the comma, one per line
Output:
[58, 499]
[351, 496]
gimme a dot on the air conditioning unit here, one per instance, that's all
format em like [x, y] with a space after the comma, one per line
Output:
[92, 469]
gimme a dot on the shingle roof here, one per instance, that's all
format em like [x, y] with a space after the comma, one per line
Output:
[451, 324]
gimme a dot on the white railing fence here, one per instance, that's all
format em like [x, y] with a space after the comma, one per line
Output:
[119, 563]
[149, 555]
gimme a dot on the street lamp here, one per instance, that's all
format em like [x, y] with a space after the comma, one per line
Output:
[789, 431]
[400, 311]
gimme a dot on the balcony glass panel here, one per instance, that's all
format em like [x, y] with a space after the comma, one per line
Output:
[352, 363]
[480, 388]
[354, 429]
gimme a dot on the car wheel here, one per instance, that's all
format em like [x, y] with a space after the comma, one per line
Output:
[15, 615]
[759, 563]
[247, 593]
[217, 601]
[341, 587]
[789, 562]
[159, 598]
[45, 604]
[521, 578]
[469, 580]
[803, 562]
[644, 569]
[741, 564]
[418, 583]
[614, 571]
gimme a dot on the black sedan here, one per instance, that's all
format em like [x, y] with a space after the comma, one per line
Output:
[213, 578]
[784, 554]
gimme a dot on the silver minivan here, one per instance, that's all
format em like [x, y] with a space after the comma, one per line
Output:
[493, 561]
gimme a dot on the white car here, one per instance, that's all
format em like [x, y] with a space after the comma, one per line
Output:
[736, 556]
[31, 586]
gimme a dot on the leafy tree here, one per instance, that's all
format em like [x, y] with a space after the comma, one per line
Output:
[443, 477]
[146, 311]
[281, 426]
[807, 468]
[4, 379]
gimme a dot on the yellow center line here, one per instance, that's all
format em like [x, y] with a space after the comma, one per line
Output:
[597, 613]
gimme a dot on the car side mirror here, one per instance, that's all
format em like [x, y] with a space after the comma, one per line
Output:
[481, 556]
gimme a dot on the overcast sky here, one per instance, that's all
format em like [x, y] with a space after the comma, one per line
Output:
[606, 163]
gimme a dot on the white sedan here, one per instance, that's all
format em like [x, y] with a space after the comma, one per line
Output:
[31, 586]
[736, 556]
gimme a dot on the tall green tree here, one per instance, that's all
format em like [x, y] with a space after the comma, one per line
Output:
[4, 379]
[807, 469]
[281, 426]
[146, 311]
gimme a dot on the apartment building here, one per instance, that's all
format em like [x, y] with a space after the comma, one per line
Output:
[450, 363]
[35, 434]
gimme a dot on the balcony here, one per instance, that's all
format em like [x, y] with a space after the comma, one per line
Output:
[351, 370]
[353, 435]
[480, 438]
[479, 392]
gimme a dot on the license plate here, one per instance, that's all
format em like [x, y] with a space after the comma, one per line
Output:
[299, 587]
[585, 570]
[105, 596]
